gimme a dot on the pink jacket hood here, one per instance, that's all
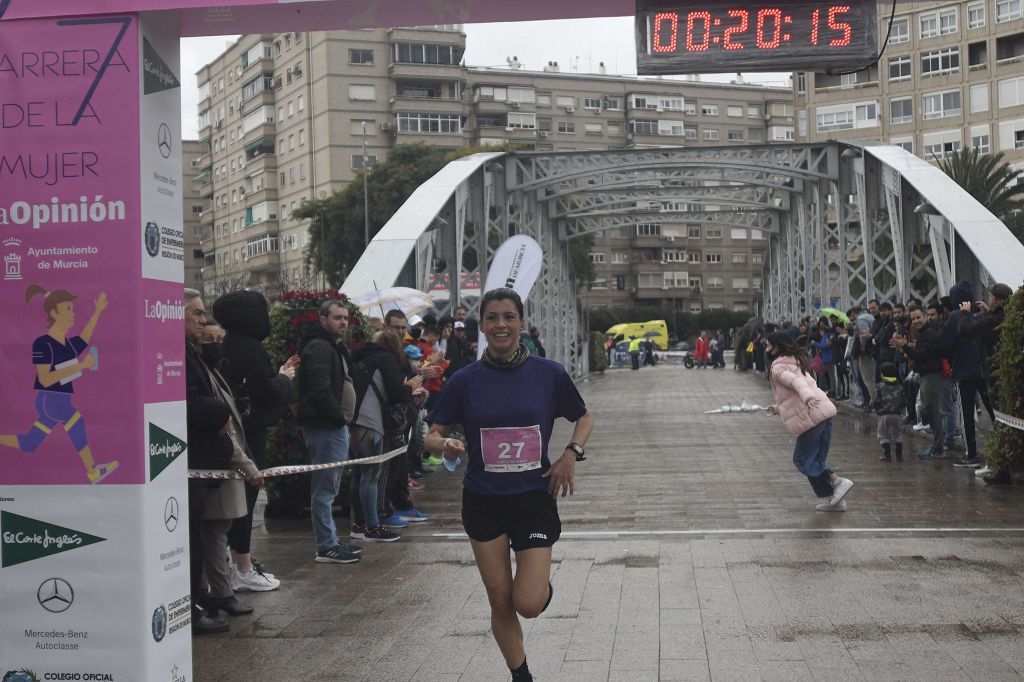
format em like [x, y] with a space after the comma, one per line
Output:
[792, 389]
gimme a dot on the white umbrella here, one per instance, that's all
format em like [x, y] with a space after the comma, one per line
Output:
[409, 301]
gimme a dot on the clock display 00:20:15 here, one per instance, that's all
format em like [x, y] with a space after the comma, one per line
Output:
[765, 28]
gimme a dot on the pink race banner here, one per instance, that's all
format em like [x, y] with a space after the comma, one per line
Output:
[69, 211]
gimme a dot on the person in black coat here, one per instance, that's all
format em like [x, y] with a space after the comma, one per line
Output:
[261, 394]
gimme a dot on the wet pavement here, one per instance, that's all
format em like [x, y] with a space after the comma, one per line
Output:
[691, 551]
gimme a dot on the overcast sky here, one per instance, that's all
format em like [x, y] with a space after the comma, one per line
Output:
[535, 43]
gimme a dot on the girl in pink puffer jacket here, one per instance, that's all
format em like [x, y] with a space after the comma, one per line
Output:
[807, 414]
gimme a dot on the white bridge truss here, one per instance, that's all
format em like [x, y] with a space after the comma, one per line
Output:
[844, 223]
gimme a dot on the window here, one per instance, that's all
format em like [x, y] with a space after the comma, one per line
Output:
[690, 132]
[948, 21]
[1018, 139]
[1008, 10]
[429, 123]
[710, 134]
[981, 139]
[673, 256]
[901, 110]
[839, 120]
[544, 99]
[302, 170]
[670, 103]
[649, 280]
[753, 112]
[801, 83]
[597, 258]
[619, 257]
[565, 101]
[614, 128]
[695, 283]
[566, 127]
[693, 256]
[735, 135]
[712, 257]
[690, 108]
[357, 161]
[979, 97]
[620, 282]
[360, 56]
[613, 103]
[906, 143]
[757, 258]
[521, 95]
[941, 104]
[1011, 135]
[938, 144]
[900, 68]
[415, 53]
[712, 232]
[525, 121]
[709, 110]
[647, 230]
[640, 126]
[593, 128]
[929, 25]
[737, 234]
[739, 258]
[715, 282]
[733, 110]
[291, 108]
[847, 80]
[671, 128]
[1011, 92]
[362, 92]
[976, 15]
[693, 231]
[302, 136]
[945, 60]
[740, 283]
[591, 102]
[302, 103]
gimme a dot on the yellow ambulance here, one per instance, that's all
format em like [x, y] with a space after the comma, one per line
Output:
[655, 330]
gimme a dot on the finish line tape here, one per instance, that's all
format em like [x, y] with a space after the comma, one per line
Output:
[273, 472]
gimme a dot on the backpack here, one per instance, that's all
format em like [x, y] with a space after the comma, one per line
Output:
[393, 417]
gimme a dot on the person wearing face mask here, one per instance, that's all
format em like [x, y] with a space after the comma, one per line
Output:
[507, 403]
[807, 415]
[261, 394]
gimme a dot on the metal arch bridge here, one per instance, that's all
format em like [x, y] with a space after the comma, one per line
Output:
[844, 222]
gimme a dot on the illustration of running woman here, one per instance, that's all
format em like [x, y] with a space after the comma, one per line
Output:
[57, 362]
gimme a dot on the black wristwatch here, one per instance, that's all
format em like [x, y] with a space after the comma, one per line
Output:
[578, 450]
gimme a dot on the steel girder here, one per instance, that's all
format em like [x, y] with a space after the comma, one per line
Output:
[845, 222]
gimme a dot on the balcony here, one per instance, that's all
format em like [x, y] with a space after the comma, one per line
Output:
[447, 72]
[427, 105]
[648, 241]
[494, 106]
[261, 194]
[263, 262]
[265, 129]
[434, 139]
[206, 218]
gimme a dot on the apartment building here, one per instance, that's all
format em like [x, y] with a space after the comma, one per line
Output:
[193, 211]
[952, 75]
[285, 117]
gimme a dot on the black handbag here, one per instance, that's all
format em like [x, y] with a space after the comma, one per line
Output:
[392, 416]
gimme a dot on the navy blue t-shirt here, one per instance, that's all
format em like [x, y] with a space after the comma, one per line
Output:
[508, 417]
[47, 350]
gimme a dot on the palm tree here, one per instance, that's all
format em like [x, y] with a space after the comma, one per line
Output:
[988, 178]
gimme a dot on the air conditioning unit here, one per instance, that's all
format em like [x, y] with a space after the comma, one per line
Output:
[670, 238]
[509, 129]
[664, 287]
[219, 124]
[542, 133]
[629, 136]
[384, 125]
[297, 71]
[514, 105]
[569, 109]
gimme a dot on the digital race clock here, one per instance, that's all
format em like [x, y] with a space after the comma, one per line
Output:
[688, 36]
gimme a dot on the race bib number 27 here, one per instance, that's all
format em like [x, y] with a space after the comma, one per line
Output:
[510, 449]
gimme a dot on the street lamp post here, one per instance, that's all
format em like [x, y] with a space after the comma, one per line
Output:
[323, 244]
[366, 198]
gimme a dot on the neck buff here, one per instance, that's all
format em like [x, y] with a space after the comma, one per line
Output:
[518, 360]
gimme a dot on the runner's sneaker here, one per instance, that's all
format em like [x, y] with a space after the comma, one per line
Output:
[415, 485]
[101, 471]
[358, 532]
[920, 426]
[412, 516]
[351, 549]
[259, 567]
[967, 463]
[983, 471]
[253, 581]
[335, 555]
[381, 534]
[393, 521]
[839, 490]
[432, 460]
[826, 506]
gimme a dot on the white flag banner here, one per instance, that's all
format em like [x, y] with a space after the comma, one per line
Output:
[516, 266]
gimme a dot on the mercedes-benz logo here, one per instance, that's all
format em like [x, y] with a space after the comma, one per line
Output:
[55, 595]
[171, 513]
[163, 140]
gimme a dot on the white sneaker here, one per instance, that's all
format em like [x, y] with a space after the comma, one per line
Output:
[253, 581]
[839, 490]
[920, 426]
[827, 506]
[983, 471]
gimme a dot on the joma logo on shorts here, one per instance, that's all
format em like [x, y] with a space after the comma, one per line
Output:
[538, 536]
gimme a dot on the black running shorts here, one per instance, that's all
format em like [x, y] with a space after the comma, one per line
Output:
[530, 520]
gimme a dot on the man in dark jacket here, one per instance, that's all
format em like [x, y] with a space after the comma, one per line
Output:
[326, 404]
[261, 394]
[984, 326]
[927, 358]
[965, 355]
[457, 352]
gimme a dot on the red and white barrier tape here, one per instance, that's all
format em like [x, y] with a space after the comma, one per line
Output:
[1014, 422]
[224, 475]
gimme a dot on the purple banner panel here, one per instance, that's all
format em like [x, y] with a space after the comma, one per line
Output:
[69, 217]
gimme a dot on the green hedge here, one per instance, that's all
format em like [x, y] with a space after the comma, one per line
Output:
[1005, 447]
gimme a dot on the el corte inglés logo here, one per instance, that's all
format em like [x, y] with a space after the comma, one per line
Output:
[164, 448]
[26, 539]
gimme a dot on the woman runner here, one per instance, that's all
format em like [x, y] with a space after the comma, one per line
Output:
[807, 414]
[507, 403]
[56, 358]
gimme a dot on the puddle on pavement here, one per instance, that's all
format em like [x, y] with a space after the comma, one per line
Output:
[862, 427]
